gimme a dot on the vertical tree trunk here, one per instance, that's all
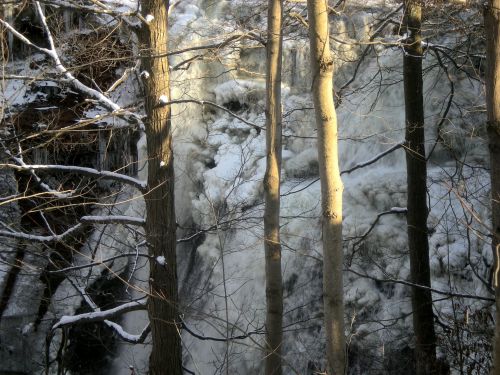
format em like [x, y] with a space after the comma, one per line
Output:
[423, 318]
[166, 355]
[272, 245]
[331, 185]
[492, 79]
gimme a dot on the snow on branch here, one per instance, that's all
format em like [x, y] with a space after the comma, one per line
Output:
[62, 69]
[37, 238]
[20, 162]
[31, 78]
[125, 336]
[99, 316]
[84, 221]
[139, 184]
[22, 38]
[113, 219]
[100, 8]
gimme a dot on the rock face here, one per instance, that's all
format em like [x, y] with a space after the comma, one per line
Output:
[13, 348]
[19, 319]
[33, 294]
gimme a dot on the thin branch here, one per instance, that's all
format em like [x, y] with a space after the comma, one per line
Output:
[212, 104]
[220, 339]
[215, 46]
[437, 291]
[393, 210]
[374, 159]
[123, 77]
[352, 169]
[97, 263]
[448, 106]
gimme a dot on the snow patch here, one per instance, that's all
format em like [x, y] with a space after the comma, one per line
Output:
[163, 99]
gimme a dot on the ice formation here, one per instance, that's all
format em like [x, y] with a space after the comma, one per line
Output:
[220, 163]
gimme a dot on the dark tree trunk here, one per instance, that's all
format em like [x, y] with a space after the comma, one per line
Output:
[166, 355]
[423, 317]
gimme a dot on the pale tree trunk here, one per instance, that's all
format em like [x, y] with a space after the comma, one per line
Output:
[166, 354]
[272, 245]
[331, 185]
[423, 317]
[492, 29]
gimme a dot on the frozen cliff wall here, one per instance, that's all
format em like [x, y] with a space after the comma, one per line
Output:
[371, 117]
[220, 162]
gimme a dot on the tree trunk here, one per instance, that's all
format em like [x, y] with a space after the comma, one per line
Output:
[272, 245]
[492, 79]
[331, 185]
[166, 354]
[423, 318]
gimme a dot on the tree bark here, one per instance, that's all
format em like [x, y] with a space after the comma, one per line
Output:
[331, 185]
[166, 354]
[423, 317]
[492, 79]
[272, 245]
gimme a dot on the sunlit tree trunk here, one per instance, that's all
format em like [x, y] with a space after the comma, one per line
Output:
[166, 355]
[331, 184]
[274, 283]
[492, 29]
[423, 318]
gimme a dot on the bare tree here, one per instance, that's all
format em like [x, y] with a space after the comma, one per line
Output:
[274, 282]
[331, 184]
[160, 210]
[423, 317]
[492, 30]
